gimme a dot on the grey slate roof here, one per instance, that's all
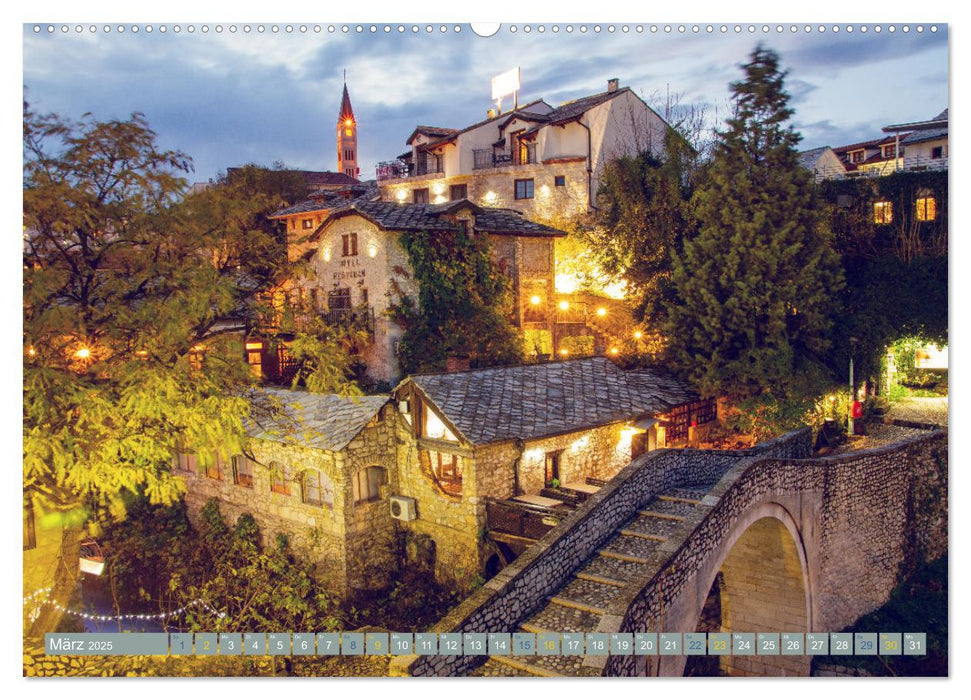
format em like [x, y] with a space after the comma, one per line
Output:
[325, 200]
[533, 401]
[324, 421]
[393, 216]
[926, 135]
[807, 159]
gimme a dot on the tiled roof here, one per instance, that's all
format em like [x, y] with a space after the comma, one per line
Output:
[533, 401]
[434, 132]
[324, 421]
[325, 200]
[807, 159]
[326, 179]
[926, 135]
[873, 143]
[573, 109]
[509, 221]
[427, 217]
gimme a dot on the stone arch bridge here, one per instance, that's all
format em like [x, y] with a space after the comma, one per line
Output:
[766, 539]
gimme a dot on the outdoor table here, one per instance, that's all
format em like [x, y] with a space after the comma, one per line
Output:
[542, 501]
[581, 486]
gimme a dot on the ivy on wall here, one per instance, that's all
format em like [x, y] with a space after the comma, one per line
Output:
[463, 307]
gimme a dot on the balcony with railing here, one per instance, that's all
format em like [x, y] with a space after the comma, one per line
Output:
[425, 164]
[496, 158]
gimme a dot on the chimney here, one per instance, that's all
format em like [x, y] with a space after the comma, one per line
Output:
[456, 363]
[613, 84]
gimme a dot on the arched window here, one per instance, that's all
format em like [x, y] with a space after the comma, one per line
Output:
[316, 489]
[367, 484]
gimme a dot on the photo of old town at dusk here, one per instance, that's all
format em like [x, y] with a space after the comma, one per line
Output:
[532, 350]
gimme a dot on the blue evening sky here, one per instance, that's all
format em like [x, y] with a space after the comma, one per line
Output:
[228, 99]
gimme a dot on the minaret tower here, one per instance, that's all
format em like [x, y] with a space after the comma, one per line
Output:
[347, 137]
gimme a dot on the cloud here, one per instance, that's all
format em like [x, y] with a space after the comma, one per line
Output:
[228, 98]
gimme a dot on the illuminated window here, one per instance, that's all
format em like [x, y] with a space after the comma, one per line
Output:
[254, 356]
[552, 466]
[434, 427]
[242, 471]
[30, 533]
[308, 223]
[349, 242]
[883, 212]
[559, 181]
[926, 208]
[215, 468]
[279, 479]
[196, 355]
[420, 196]
[367, 484]
[524, 189]
[458, 192]
[447, 469]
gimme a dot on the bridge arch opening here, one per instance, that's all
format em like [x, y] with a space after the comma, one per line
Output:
[760, 586]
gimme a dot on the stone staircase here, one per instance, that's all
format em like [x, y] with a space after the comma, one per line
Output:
[581, 602]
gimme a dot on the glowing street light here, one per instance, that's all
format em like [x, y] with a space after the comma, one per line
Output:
[82, 353]
[564, 305]
[535, 300]
[638, 335]
[601, 311]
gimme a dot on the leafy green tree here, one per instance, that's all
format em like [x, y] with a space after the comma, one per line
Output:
[463, 307]
[755, 287]
[128, 285]
[643, 215]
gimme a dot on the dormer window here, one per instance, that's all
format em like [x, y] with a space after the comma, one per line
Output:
[890, 151]
[433, 427]
[857, 156]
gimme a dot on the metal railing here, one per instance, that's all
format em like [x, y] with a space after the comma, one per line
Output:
[911, 164]
[494, 158]
[347, 317]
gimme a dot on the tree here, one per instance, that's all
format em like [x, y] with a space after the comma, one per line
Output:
[463, 307]
[755, 286]
[128, 284]
[643, 215]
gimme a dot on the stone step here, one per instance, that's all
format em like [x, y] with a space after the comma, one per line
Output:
[622, 557]
[493, 668]
[529, 665]
[584, 594]
[561, 618]
[660, 516]
[652, 527]
[670, 506]
[631, 546]
[554, 665]
[683, 495]
[615, 570]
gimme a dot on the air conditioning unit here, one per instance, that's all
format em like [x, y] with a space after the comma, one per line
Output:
[403, 508]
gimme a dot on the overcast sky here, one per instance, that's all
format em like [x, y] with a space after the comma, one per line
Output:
[228, 99]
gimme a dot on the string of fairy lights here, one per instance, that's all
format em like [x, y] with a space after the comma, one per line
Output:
[40, 597]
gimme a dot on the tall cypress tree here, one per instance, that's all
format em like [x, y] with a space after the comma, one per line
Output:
[755, 285]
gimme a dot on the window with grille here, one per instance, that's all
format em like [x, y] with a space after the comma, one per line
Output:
[458, 192]
[420, 196]
[349, 241]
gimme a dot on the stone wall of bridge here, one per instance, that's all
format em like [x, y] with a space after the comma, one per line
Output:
[525, 584]
[840, 532]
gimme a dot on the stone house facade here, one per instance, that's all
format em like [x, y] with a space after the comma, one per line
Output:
[362, 485]
[538, 159]
[319, 475]
[507, 433]
[358, 268]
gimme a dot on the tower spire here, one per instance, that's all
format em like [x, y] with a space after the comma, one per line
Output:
[347, 136]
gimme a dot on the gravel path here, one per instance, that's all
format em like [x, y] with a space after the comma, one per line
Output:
[921, 410]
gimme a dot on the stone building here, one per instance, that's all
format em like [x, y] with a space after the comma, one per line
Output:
[362, 485]
[319, 474]
[538, 159]
[506, 434]
[359, 268]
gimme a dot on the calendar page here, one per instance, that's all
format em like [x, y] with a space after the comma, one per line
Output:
[529, 349]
